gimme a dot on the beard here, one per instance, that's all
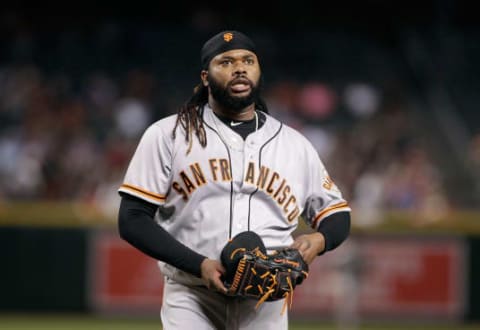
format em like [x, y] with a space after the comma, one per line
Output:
[231, 102]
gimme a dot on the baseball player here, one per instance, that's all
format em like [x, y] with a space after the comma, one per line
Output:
[219, 167]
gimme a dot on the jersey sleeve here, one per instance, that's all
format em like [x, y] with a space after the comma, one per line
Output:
[148, 173]
[323, 196]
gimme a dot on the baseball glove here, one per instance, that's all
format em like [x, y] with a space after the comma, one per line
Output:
[251, 273]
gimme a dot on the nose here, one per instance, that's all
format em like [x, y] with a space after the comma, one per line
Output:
[239, 68]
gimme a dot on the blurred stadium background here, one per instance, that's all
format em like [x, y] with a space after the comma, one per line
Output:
[388, 92]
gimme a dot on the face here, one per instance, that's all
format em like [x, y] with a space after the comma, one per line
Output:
[233, 78]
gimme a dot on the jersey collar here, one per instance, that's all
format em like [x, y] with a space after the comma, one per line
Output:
[264, 133]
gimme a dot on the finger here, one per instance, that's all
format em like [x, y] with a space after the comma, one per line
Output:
[302, 247]
[218, 284]
[297, 244]
[309, 256]
[302, 253]
[222, 269]
[309, 259]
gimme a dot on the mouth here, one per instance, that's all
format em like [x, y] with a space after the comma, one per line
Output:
[240, 85]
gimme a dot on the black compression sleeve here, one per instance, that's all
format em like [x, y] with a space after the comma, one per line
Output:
[335, 228]
[136, 226]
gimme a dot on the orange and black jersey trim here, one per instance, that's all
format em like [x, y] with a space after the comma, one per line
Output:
[139, 191]
[342, 206]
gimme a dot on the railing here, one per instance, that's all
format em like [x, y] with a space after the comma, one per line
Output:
[66, 214]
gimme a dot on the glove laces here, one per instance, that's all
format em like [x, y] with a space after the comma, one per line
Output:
[271, 289]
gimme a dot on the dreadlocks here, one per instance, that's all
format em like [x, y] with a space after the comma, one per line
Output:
[190, 116]
[190, 119]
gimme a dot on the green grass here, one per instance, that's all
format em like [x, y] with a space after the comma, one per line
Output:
[41, 322]
[28, 322]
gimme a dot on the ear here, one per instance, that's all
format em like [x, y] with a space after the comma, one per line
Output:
[204, 76]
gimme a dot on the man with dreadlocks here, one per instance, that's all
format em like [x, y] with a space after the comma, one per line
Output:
[220, 167]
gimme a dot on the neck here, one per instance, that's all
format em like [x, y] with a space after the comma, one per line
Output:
[247, 113]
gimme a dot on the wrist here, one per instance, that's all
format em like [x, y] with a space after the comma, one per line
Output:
[201, 262]
[319, 241]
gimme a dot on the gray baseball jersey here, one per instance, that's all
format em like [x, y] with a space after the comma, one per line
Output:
[208, 195]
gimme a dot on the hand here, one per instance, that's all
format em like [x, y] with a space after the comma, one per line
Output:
[309, 245]
[212, 271]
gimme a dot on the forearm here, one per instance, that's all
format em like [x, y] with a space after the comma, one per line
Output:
[137, 226]
[335, 229]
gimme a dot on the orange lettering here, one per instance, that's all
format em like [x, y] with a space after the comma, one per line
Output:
[275, 176]
[262, 178]
[198, 174]
[176, 186]
[213, 168]
[249, 177]
[225, 170]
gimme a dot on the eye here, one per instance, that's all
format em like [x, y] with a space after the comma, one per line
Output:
[249, 61]
[226, 62]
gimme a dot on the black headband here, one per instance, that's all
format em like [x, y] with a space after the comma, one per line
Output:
[223, 42]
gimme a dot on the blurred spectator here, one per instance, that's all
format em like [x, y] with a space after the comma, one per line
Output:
[68, 132]
[316, 101]
[362, 99]
[413, 183]
[131, 117]
[368, 199]
[281, 97]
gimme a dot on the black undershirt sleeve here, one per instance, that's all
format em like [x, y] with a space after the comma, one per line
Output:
[335, 228]
[137, 226]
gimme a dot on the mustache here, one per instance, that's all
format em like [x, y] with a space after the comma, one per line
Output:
[241, 80]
